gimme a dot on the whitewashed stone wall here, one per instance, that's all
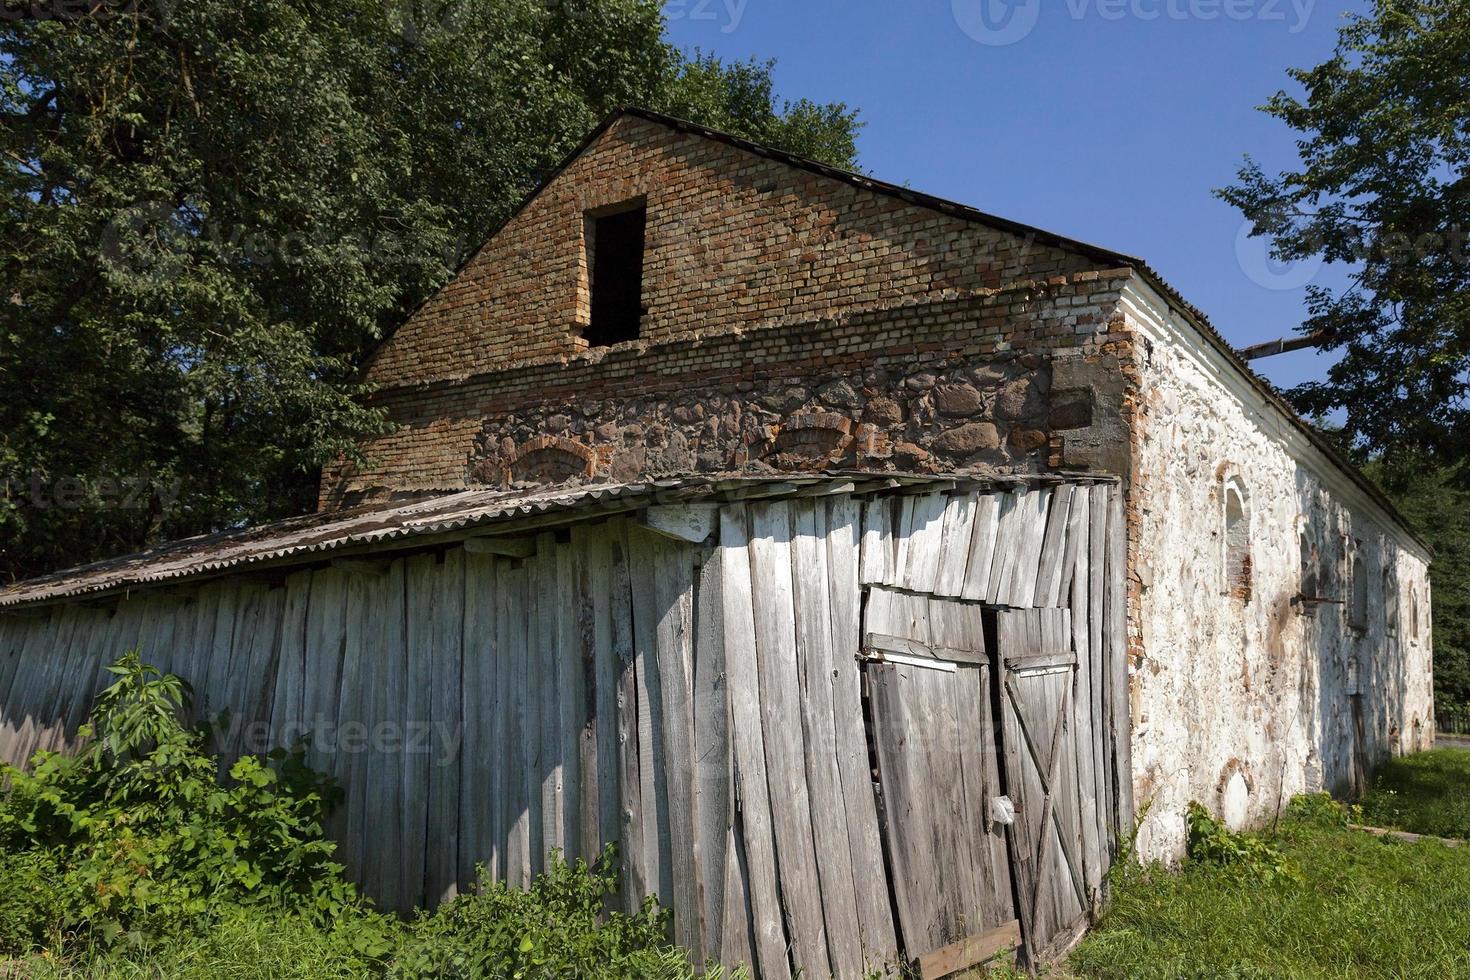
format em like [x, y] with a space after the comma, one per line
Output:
[1242, 704]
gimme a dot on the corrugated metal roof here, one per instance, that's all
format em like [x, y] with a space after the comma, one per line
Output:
[318, 534]
[315, 537]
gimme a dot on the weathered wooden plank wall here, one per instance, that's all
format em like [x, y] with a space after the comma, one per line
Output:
[703, 706]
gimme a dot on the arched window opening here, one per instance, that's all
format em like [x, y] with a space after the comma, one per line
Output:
[1237, 577]
[1309, 584]
[1358, 603]
[1390, 602]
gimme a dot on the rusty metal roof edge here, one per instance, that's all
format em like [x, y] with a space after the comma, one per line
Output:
[142, 569]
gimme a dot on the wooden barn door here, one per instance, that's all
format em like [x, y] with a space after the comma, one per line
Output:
[1038, 671]
[933, 736]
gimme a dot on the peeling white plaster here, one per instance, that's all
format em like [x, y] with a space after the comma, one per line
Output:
[1242, 704]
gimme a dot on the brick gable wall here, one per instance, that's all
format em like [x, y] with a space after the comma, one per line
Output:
[794, 321]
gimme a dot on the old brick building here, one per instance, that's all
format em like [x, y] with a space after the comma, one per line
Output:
[781, 525]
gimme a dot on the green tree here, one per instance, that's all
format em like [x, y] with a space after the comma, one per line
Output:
[1383, 187]
[212, 209]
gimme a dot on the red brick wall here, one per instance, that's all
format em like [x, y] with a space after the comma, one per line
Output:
[794, 322]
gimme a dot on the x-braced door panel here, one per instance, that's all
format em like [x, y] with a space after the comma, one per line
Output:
[1038, 672]
[933, 736]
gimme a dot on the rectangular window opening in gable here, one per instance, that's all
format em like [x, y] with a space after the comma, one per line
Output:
[615, 240]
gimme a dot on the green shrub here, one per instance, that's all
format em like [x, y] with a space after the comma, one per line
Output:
[29, 912]
[560, 928]
[1212, 842]
[147, 839]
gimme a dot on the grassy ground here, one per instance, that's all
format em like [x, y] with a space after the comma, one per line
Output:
[1427, 793]
[1329, 902]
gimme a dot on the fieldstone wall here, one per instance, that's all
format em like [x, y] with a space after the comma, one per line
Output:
[1243, 698]
[1020, 380]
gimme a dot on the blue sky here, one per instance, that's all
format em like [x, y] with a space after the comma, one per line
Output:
[1107, 120]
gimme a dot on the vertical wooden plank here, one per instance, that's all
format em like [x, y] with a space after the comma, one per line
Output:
[424, 591]
[748, 734]
[903, 539]
[870, 881]
[1098, 686]
[770, 558]
[817, 663]
[484, 754]
[363, 619]
[1116, 638]
[288, 708]
[1010, 520]
[632, 850]
[586, 554]
[1035, 506]
[1087, 761]
[326, 636]
[545, 679]
[712, 810]
[385, 778]
[812, 603]
[1053, 568]
[902, 740]
[925, 541]
[514, 631]
[954, 551]
[571, 700]
[980, 776]
[982, 545]
[19, 721]
[674, 590]
[652, 767]
[877, 546]
[446, 732]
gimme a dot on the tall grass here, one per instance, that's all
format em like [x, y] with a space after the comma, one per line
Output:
[1428, 793]
[1353, 906]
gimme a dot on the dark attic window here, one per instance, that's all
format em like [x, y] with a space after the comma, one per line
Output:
[615, 259]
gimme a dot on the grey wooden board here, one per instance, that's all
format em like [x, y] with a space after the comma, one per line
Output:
[1116, 639]
[484, 714]
[753, 801]
[425, 592]
[546, 600]
[288, 709]
[812, 602]
[1008, 538]
[445, 736]
[1096, 604]
[954, 552]
[385, 782]
[633, 850]
[326, 634]
[1053, 569]
[877, 541]
[523, 816]
[712, 777]
[572, 703]
[674, 598]
[1034, 508]
[1088, 763]
[770, 559]
[870, 882]
[923, 542]
[652, 764]
[982, 545]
